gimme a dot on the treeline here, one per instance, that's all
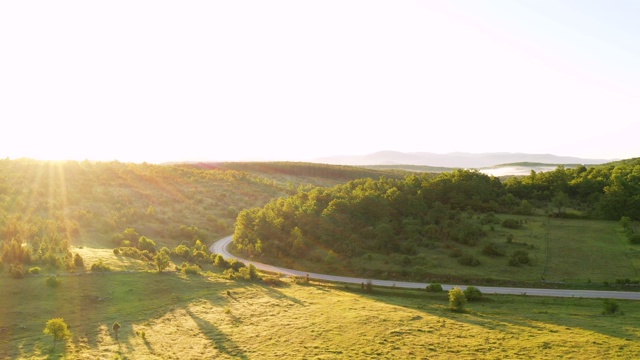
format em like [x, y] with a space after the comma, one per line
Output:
[604, 192]
[396, 216]
[323, 172]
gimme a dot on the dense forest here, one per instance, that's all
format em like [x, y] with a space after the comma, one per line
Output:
[398, 215]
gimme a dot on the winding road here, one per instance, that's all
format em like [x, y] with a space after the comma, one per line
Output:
[221, 247]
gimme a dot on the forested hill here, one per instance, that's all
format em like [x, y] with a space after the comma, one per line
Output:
[48, 208]
[322, 174]
[390, 215]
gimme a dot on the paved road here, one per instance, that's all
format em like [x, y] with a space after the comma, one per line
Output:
[220, 247]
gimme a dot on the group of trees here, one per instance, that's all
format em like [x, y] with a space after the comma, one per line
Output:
[607, 192]
[398, 215]
[370, 215]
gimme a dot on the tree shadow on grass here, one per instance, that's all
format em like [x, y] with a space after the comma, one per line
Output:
[222, 342]
[279, 295]
[508, 313]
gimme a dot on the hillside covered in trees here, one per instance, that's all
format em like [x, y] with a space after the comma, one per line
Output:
[451, 211]
[48, 208]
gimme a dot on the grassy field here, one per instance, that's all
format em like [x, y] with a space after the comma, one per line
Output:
[201, 317]
[574, 252]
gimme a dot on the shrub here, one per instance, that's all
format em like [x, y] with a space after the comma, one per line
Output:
[231, 274]
[221, 262]
[53, 281]
[434, 287]
[610, 307]
[511, 223]
[146, 244]
[100, 266]
[472, 293]
[468, 260]
[183, 251]
[492, 249]
[135, 253]
[34, 270]
[236, 264]
[519, 257]
[190, 269]
[489, 218]
[457, 299]
[78, 261]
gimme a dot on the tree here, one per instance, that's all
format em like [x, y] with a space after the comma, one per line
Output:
[116, 328]
[58, 329]
[457, 299]
[560, 201]
[472, 293]
[162, 261]
[146, 244]
[610, 307]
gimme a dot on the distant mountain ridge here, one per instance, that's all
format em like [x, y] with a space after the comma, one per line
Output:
[454, 160]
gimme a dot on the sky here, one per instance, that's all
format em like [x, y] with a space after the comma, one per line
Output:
[156, 81]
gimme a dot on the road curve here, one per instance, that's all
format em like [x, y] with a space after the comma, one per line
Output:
[221, 247]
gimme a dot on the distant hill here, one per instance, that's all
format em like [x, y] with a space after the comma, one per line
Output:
[454, 160]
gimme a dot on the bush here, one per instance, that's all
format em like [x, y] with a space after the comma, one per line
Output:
[53, 281]
[492, 249]
[135, 253]
[236, 264]
[519, 257]
[472, 293]
[489, 218]
[146, 244]
[468, 260]
[34, 270]
[457, 299]
[100, 266]
[190, 269]
[221, 262]
[78, 261]
[183, 251]
[610, 307]
[511, 223]
[434, 287]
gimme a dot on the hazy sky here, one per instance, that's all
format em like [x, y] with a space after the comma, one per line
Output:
[295, 80]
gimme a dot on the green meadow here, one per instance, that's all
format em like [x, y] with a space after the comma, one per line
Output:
[171, 316]
[573, 252]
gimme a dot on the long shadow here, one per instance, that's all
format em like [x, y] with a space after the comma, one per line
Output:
[222, 342]
[279, 295]
[535, 311]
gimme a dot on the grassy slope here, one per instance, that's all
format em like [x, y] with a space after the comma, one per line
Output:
[576, 252]
[193, 318]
